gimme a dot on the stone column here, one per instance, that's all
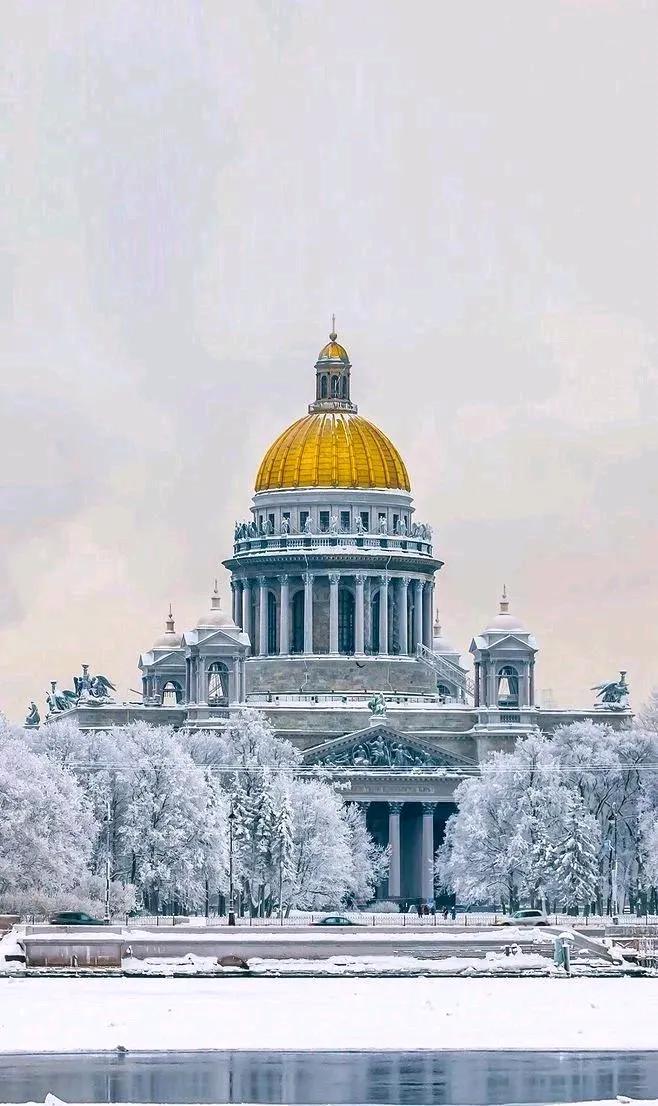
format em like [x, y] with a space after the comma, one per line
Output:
[333, 612]
[359, 616]
[383, 614]
[394, 810]
[284, 616]
[403, 588]
[202, 677]
[418, 614]
[427, 870]
[476, 681]
[234, 601]
[308, 612]
[531, 688]
[262, 616]
[246, 609]
[427, 615]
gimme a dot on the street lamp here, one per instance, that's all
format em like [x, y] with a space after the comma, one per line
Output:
[612, 819]
[231, 901]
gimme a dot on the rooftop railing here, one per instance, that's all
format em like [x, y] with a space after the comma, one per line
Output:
[250, 539]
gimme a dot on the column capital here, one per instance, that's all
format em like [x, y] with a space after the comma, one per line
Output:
[283, 580]
[334, 579]
[418, 583]
[262, 581]
[395, 808]
[307, 577]
[428, 808]
[234, 584]
[383, 581]
[360, 579]
[404, 580]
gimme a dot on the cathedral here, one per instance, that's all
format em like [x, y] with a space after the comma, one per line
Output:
[332, 634]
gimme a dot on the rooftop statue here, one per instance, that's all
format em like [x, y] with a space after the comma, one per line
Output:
[614, 694]
[33, 717]
[60, 701]
[377, 705]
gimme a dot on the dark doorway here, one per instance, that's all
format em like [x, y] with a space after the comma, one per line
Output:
[374, 623]
[272, 624]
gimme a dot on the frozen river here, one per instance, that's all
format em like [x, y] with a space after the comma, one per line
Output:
[331, 1077]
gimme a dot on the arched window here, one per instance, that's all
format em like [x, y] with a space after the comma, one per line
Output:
[345, 621]
[272, 624]
[344, 387]
[444, 692]
[324, 388]
[172, 693]
[217, 684]
[508, 687]
[374, 623]
[335, 387]
[297, 637]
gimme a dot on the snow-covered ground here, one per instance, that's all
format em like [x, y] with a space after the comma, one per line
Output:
[621, 1101]
[419, 1013]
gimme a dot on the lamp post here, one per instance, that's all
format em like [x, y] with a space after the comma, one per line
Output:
[612, 819]
[108, 815]
[231, 901]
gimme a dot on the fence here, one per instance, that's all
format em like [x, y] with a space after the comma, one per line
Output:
[632, 926]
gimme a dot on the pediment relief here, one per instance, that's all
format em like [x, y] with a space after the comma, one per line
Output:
[382, 747]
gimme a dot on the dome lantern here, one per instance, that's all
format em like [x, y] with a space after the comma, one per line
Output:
[332, 377]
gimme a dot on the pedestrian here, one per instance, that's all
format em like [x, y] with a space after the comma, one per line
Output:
[453, 913]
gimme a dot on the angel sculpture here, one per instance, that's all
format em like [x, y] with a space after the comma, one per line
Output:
[33, 717]
[613, 694]
[377, 705]
[60, 701]
[100, 688]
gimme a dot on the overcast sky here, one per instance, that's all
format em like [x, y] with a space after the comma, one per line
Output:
[190, 190]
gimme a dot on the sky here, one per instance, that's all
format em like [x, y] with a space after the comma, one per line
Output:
[190, 189]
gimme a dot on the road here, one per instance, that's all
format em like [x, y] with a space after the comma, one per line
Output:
[337, 1077]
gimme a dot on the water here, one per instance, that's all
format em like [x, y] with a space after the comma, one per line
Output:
[330, 1077]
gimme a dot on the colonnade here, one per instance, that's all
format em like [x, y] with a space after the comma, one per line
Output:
[421, 858]
[404, 618]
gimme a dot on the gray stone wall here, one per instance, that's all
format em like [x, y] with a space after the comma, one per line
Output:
[317, 675]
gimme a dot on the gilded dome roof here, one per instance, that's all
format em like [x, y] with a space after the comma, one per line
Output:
[332, 449]
[333, 351]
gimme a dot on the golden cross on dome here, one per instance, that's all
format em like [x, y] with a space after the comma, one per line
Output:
[333, 334]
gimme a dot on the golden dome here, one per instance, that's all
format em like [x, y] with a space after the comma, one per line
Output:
[333, 351]
[332, 449]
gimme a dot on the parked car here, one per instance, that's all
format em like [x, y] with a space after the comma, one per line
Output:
[74, 918]
[526, 918]
[336, 920]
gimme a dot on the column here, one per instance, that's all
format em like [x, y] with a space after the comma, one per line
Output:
[284, 616]
[476, 681]
[246, 608]
[418, 614]
[531, 702]
[333, 612]
[359, 616]
[427, 876]
[234, 606]
[394, 810]
[383, 614]
[262, 616]
[427, 615]
[202, 679]
[308, 612]
[403, 588]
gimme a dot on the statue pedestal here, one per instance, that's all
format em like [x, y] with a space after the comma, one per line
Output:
[376, 719]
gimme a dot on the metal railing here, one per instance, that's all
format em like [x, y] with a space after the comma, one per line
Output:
[447, 669]
[254, 543]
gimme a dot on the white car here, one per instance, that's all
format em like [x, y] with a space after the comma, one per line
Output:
[526, 918]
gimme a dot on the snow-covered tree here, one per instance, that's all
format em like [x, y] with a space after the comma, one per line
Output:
[322, 860]
[369, 861]
[46, 829]
[575, 856]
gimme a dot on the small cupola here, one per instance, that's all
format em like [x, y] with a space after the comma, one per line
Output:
[332, 376]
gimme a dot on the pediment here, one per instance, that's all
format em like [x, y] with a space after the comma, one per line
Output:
[228, 641]
[382, 747]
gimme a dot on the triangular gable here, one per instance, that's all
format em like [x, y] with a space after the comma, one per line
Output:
[215, 637]
[384, 747]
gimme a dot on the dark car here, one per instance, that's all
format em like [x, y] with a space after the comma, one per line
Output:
[74, 918]
[336, 920]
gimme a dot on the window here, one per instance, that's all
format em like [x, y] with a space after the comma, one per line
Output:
[345, 621]
[303, 519]
[443, 692]
[171, 694]
[396, 519]
[272, 625]
[345, 520]
[323, 388]
[324, 522]
[508, 687]
[344, 387]
[217, 685]
[365, 519]
[335, 387]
